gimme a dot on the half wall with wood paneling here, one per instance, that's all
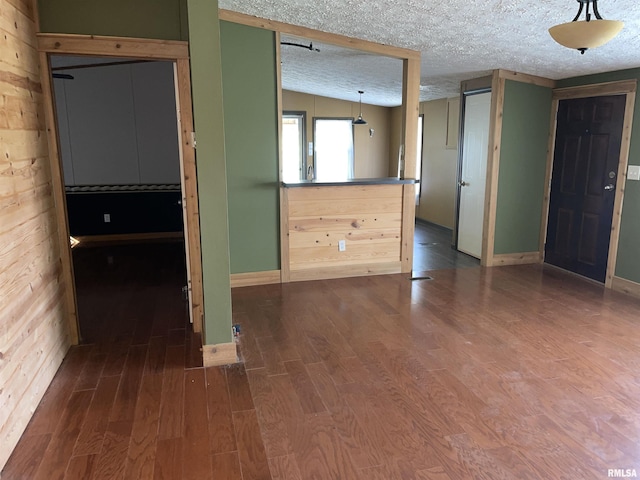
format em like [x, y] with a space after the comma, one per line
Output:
[34, 335]
[367, 217]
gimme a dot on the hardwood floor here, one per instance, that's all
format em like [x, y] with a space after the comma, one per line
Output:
[134, 402]
[505, 373]
[432, 250]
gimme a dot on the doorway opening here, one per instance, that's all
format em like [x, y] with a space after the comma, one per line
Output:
[120, 153]
[133, 51]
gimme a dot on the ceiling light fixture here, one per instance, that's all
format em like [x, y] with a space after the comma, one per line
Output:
[588, 33]
[360, 120]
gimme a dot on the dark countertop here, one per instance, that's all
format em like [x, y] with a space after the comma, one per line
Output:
[353, 181]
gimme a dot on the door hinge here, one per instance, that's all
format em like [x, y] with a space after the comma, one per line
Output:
[193, 139]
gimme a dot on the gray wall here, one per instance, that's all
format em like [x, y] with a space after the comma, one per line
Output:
[118, 124]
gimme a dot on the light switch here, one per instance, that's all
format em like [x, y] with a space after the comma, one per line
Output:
[633, 172]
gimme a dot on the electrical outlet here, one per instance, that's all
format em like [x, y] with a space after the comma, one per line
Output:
[633, 172]
[107, 218]
[342, 245]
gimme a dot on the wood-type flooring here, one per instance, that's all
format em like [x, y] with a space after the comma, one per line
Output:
[505, 373]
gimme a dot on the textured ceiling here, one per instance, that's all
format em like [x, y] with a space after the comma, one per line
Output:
[458, 40]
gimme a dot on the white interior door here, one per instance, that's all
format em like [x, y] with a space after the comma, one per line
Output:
[473, 175]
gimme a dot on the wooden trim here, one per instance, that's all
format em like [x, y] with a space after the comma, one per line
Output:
[493, 170]
[596, 90]
[102, 46]
[279, 103]
[190, 190]
[36, 15]
[411, 112]
[345, 271]
[628, 88]
[285, 267]
[516, 259]
[544, 223]
[127, 237]
[625, 286]
[526, 78]
[482, 83]
[255, 278]
[332, 38]
[616, 221]
[219, 354]
[284, 192]
[176, 51]
[408, 227]
[60, 201]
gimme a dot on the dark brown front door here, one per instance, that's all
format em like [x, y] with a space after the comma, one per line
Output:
[583, 184]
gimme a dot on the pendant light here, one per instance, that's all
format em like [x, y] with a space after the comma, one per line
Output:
[360, 120]
[588, 33]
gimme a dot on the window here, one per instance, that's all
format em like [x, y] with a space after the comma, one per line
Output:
[333, 148]
[293, 146]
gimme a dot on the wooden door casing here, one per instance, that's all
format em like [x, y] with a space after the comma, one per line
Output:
[584, 179]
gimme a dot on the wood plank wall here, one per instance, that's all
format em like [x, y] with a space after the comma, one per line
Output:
[33, 332]
[367, 217]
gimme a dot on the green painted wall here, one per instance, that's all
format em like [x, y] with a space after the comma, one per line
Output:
[206, 85]
[628, 261]
[251, 133]
[523, 160]
[160, 19]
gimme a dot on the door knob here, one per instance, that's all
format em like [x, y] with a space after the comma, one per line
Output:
[462, 183]
[611, 186]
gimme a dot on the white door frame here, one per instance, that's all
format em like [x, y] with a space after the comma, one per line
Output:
[459, 180]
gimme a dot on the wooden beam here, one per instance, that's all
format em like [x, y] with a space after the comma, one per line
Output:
[493, 170]
[332, 38]
[411, 112]
[525, 78]
[60, 201]
[616, 221]
[596, 90]
[64, 44]
[553, 121]
[190, 190]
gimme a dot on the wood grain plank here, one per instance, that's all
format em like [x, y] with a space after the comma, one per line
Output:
[239, 390]
[56, 397]
[226, 466]
[142, 449]
[304, 388]
[172, 402]
[80, 467]
[56, 457]
[168, 464]
[27, 456]
[253, 459]
[156, 355]
[196, 459]
[221, 430]
[125, 403]
[284, 468]
[95, 425]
